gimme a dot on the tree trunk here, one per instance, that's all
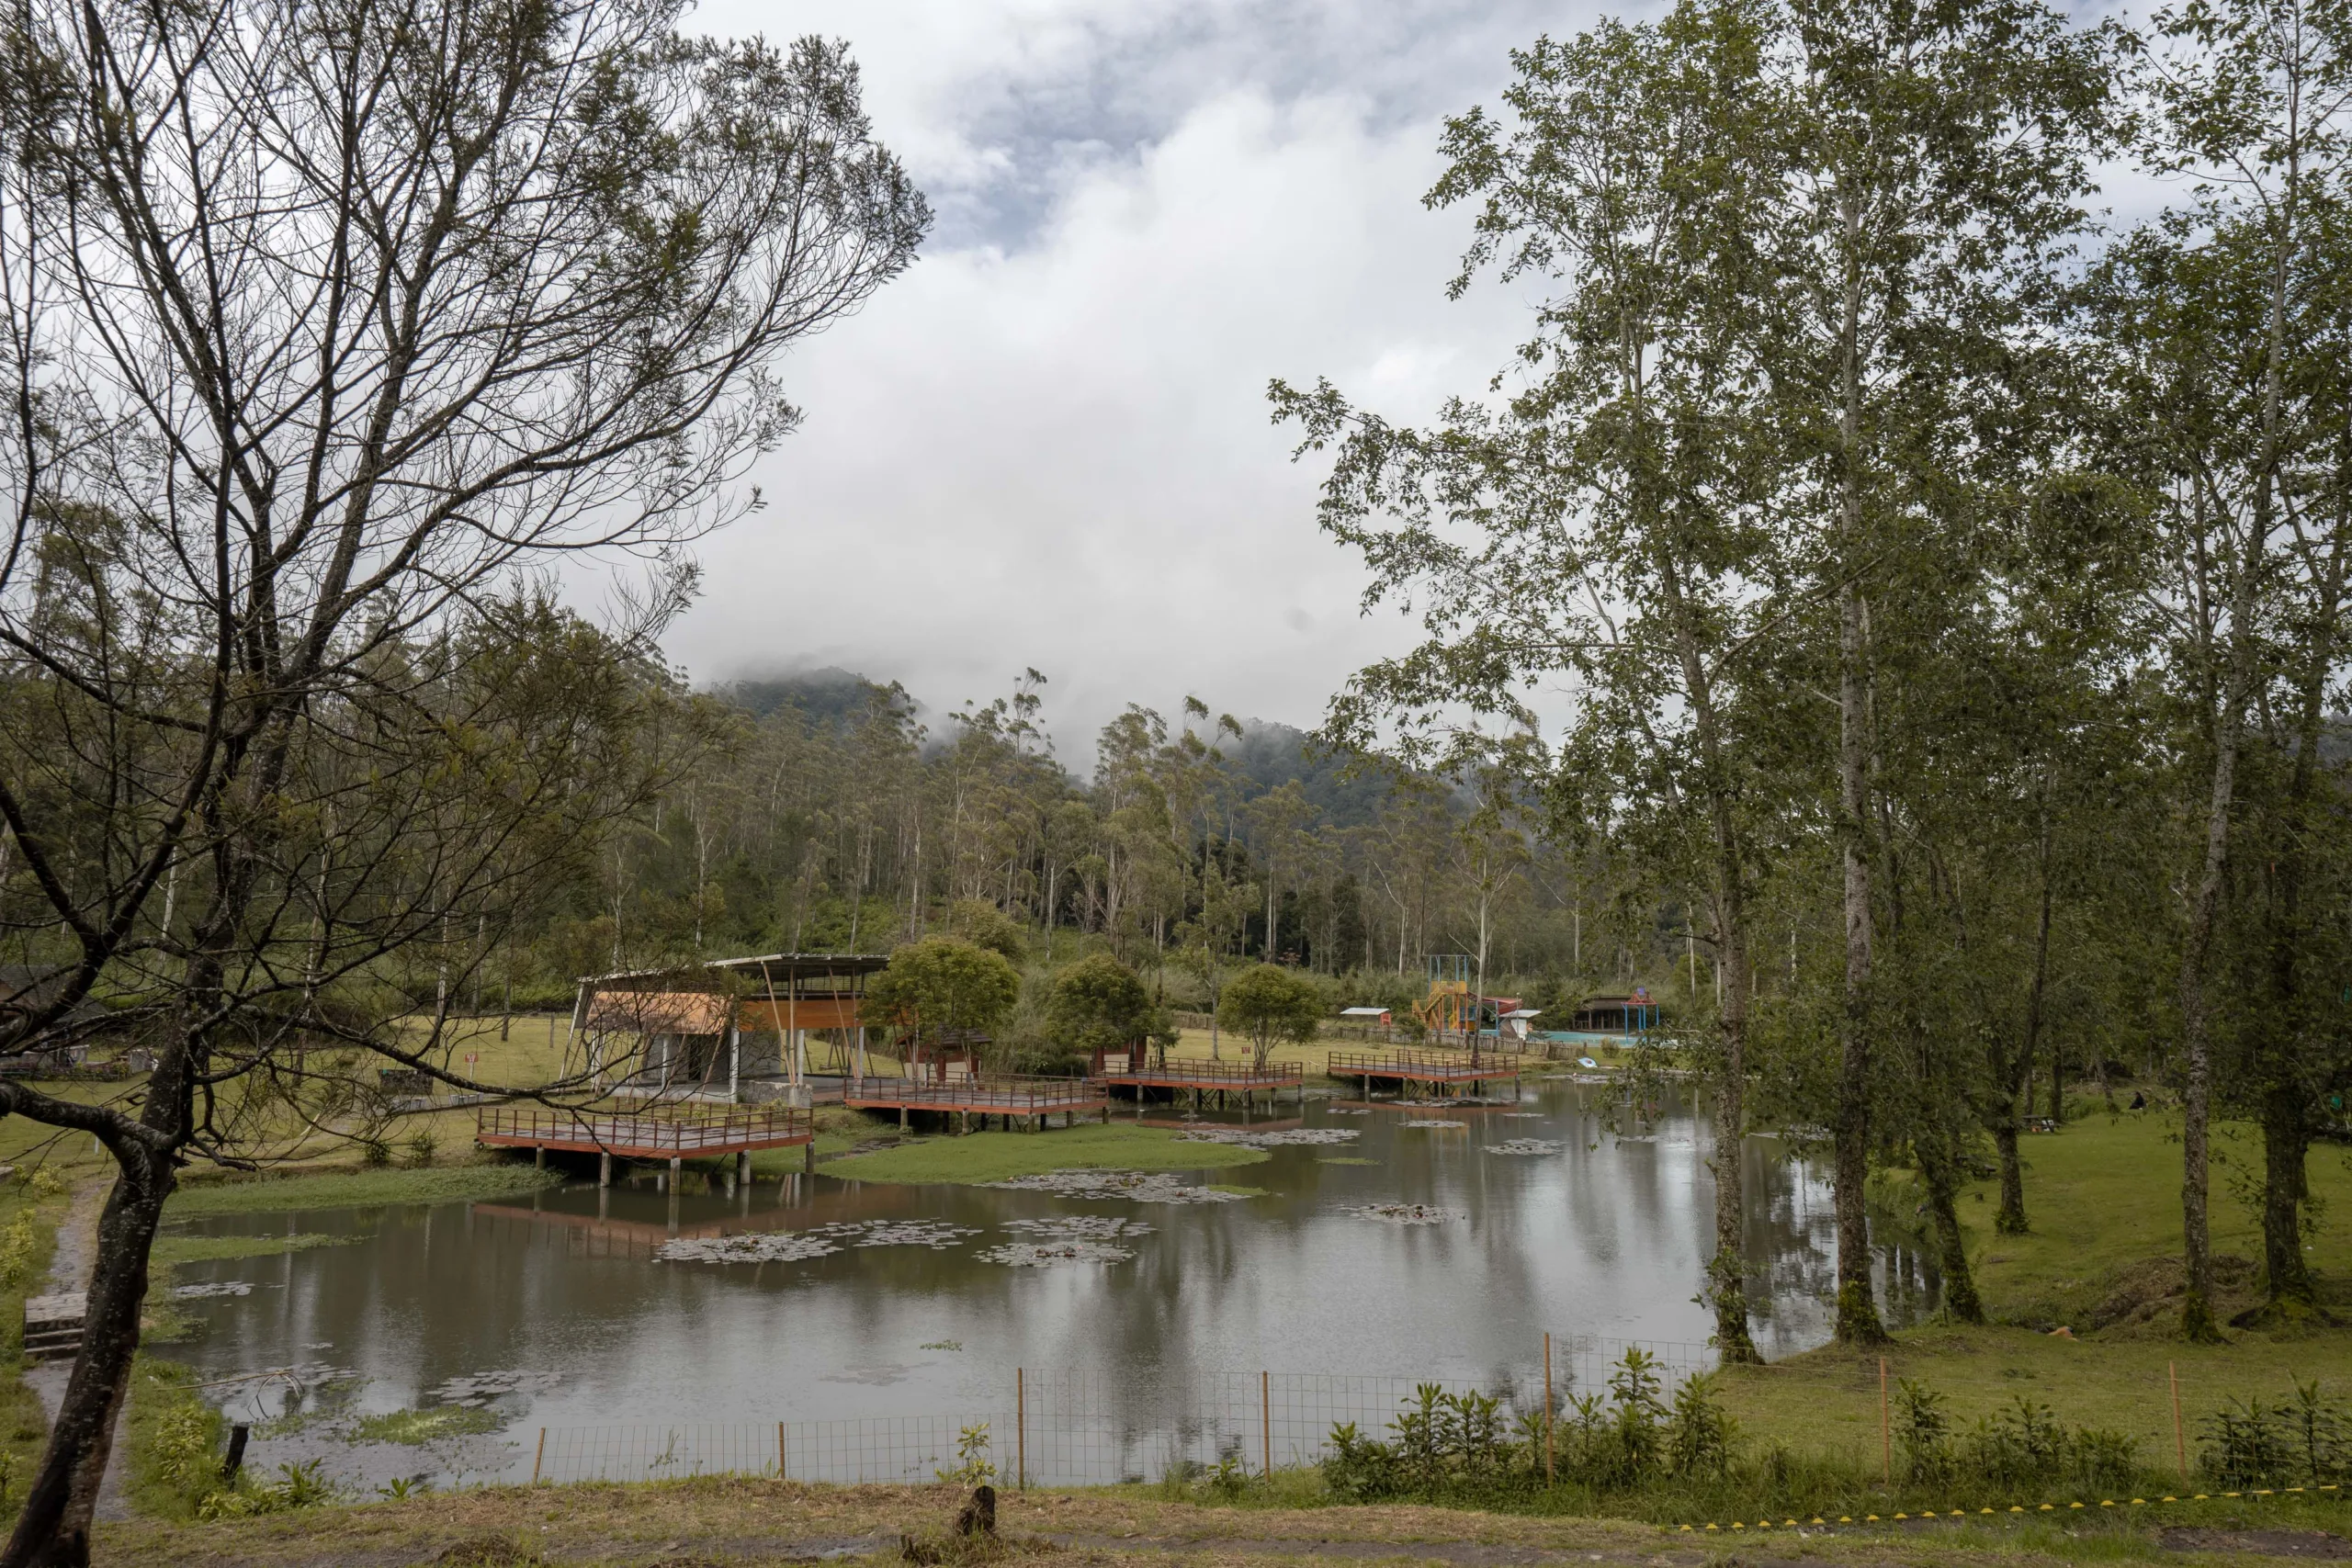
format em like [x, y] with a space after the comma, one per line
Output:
[2010, 1218]
[2016, 1090]
[2196, 1023]
[53, 1531]
[2278, 1053]
[1857, 1321]
[1727, 1271]
[2285, 1145]
[1939, 1173]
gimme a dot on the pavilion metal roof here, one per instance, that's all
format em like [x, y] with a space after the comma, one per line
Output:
[771, 966]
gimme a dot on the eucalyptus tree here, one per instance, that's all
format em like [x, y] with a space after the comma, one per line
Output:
[2225, 336]
[1939, 159]
[1609, 523]
[336, 317]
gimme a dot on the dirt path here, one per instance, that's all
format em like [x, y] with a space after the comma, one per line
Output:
[705, 1524]
[69, 1270]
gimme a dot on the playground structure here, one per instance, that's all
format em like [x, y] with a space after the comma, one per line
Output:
[1453, 1010]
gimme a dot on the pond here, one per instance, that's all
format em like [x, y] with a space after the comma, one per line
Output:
[441, 1339]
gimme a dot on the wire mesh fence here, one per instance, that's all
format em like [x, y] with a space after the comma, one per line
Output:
[1985, 1434]
[1079, 1428]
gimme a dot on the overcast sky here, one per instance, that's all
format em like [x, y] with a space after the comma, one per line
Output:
[1047, 443]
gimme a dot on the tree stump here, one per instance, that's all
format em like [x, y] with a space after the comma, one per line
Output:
[977, 1515]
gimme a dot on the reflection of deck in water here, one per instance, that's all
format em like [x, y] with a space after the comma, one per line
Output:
[983, 1096]
[1438, 1069]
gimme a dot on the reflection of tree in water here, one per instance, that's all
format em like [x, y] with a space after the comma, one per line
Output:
[1791, 1249]
[1792, 1252]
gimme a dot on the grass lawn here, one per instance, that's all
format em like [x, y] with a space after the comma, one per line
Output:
[170, 1249]
[746, 1522]
[27, 1237]
[2102, 1259]
[997, 1156]
[2103, 1198]
[358, 1190]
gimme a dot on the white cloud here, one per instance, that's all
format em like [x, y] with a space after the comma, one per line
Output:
[1054, 450]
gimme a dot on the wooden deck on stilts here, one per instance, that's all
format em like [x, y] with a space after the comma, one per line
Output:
[1438, 1069]
[1203, 1078]
[672, 1134]
[982, 1096]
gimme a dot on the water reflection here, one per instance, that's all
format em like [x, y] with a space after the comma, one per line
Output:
[1604, 1239]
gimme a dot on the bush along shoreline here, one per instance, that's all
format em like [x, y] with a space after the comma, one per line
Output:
[1638, 1451]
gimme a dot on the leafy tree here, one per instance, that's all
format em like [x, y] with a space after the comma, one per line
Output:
[1617, 493]
[2231, 325]
[945, 983]
[1271, 1005]
[328, 323]
[982, 924]
[1098, 1003]
[1938, 158]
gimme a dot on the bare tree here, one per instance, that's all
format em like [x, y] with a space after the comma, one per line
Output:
[323, 322]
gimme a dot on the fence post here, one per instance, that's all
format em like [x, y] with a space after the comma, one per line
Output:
[780, 1471]
[1885, 1429]
[540, 1457]
[1548, 1408]
[1021, 1429]
[2180, 1440]
[1266, 1421]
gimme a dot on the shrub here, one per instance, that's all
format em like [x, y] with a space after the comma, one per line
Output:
[1639, 1417]
[2020, 1446]
[973, 1466]
[1700, 1438]
[2305, 1441]
[1923, 1429]
[20, 1245]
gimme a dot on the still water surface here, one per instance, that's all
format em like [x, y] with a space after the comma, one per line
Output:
[1603, 1239]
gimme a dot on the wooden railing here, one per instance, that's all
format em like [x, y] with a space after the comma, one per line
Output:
[1423, 1063]
[682, 1131]
[1194, 1069]
[1017, 1096]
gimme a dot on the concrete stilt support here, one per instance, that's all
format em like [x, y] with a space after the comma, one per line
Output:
[677, 1165]
[808, 1154]
[605, 1168]
[902, 1119]
[539, 1156]
[743, 1168]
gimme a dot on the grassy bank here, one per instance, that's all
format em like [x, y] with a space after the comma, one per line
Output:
[745, 1522]
[29, 1214]
[2103, 1198]
[999, 1157]
[2101, 1261]
[357, 1190]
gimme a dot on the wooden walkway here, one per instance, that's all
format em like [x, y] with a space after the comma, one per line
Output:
[982, 1097]
[672, 1135]
[1219, 1078]
[1440, 1070]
